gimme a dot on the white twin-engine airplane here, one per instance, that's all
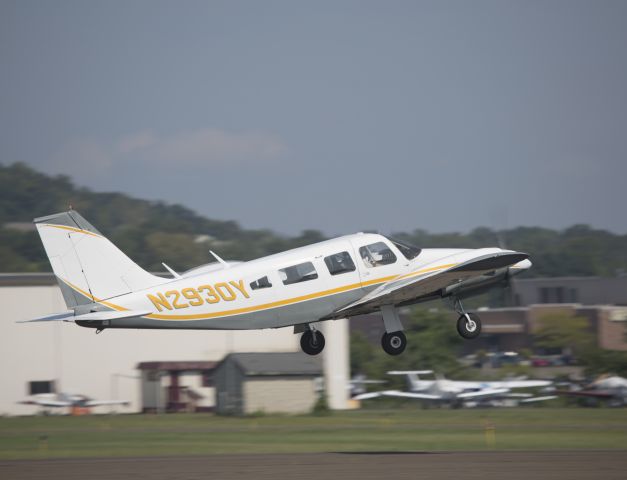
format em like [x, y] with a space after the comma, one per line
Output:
[338, 278]
[455, 392]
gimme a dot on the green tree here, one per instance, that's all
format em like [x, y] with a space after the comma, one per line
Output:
[563, 331]
[568, 332]
[26, 194]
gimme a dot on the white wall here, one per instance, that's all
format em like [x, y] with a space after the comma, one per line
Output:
[85, 362]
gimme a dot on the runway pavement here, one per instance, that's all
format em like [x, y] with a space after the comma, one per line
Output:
[571, 465]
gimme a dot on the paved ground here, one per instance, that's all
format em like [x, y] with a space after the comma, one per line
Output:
[573, 465]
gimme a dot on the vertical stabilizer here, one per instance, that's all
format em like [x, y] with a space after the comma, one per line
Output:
[87, 265]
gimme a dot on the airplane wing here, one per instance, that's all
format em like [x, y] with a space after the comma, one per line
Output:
[419, 396]
[396, 393]
[520, 383]
[46, 403]
[91, 316]
[586, 393]
[539, 399]
[431, 278]
[97, 403]
[409, 372]
[508, 384]
[486, 392]
[360, 382]
[367, 396]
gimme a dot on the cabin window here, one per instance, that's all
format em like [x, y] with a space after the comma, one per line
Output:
[262, 282]
[339, 263]
[377, 254]
[409, 251]
[298, 273]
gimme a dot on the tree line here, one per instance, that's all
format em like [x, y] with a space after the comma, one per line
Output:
[152, 232]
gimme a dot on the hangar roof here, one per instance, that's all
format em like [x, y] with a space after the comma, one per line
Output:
[275, 363]
[184, 366]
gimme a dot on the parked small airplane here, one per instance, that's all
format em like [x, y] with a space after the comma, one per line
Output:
[338, 278]
[454, 392]
[60, 400]
[357, 384]
[610, 389]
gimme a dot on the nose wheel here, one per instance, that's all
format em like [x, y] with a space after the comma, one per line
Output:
[469, 325]
[394, 343]
[312, 342]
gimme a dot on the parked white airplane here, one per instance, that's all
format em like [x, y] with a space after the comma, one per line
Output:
[609, 388]
[60, 400]
[337, 278]
[454, 392]
[357, 384]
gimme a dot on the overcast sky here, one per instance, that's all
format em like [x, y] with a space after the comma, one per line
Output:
[337, 115]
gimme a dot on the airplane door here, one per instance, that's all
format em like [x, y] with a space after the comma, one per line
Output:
[377, 261]
[339, 269]
[302, 287]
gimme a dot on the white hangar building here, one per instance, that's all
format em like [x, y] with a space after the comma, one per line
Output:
[104, 366]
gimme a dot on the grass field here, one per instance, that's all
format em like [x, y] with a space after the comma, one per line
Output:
[373, 431]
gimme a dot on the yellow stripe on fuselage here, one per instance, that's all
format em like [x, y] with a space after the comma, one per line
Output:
[267, 306]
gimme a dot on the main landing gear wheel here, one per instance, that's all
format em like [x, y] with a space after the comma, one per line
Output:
[394, 343]
[312, 342]
[469, 325]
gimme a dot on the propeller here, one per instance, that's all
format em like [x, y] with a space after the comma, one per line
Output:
[510, 284]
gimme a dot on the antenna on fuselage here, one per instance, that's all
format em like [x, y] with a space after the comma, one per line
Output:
[224, 264]
[174, 274]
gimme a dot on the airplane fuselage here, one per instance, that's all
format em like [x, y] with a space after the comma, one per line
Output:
[338, 278]
[298, 286]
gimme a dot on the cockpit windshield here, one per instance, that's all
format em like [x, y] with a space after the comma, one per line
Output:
[409, 251]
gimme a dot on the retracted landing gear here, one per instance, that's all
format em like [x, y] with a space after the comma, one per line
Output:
[393, 340]
[468, 324]
[312, 341]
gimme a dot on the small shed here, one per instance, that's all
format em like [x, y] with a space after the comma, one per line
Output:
[247, 383]
[180, 386]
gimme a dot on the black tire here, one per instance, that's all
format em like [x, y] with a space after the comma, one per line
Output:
[394, 343]
[311, 342]
[466, 329]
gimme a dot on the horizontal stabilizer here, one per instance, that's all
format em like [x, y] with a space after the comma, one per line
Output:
[117, 315]
[88, 317]
[55, 317]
